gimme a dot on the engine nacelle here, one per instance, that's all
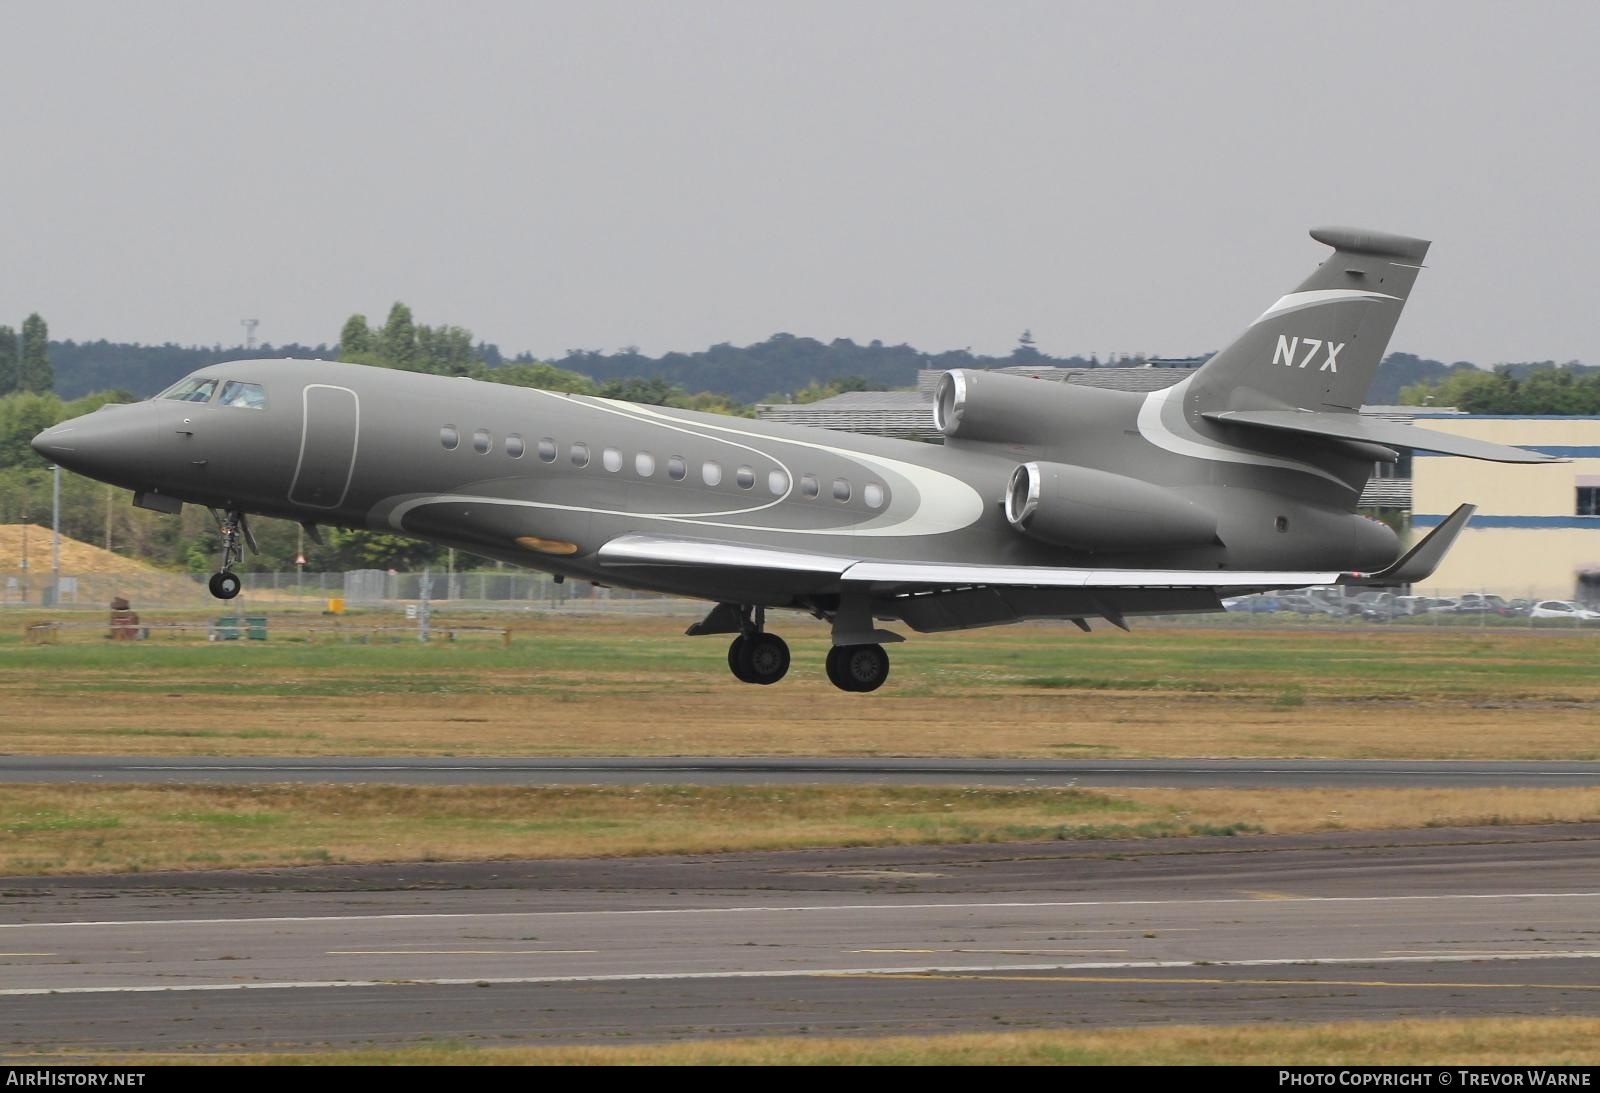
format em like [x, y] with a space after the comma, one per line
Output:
[1096, 510]
[1004, 409]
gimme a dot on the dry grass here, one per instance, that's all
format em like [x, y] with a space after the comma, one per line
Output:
[100, 829]
[76, 556]
[1539, 1042]
[637, 687]
[1286, 811]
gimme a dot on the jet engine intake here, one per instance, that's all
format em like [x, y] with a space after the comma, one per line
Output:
[1087, 509]
[994, 407]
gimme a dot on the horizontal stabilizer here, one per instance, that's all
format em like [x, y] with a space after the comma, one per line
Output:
[1389, 434]
[1418, 563]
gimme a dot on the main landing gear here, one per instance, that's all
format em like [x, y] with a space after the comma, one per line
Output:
[857, 667]
[761, 658]
[756, 656]
[225, 584]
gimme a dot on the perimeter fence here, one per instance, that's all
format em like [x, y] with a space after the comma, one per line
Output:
[516, 590]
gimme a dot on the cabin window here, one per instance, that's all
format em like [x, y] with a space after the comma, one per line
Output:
[449, 437]
[251, 396]
[809, 487]
[778, 483]
[745, 477]
[872, 494]
[841, 490]
[644, 464]
[611, 459]
[481, 441]
[580, 455]
[711, 472]
[677, 469]
[191, 390]
[547, 449]
[514, 446]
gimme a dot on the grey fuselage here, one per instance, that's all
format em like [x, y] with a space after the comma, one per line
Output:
[355, 446]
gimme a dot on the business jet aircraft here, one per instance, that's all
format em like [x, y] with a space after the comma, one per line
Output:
[1044, 501]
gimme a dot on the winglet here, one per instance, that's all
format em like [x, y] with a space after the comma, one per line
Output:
[1421, 560]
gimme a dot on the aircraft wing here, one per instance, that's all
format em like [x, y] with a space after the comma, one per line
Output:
[948, 595]
[656, 551]
[1389, 434]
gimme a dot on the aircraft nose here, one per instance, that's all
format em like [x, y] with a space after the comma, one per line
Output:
[111, 444]
[52, 439]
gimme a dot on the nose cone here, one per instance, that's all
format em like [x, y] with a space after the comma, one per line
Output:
[112, 444]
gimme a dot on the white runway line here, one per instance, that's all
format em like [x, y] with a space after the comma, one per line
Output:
[805, 909]
[792, 973]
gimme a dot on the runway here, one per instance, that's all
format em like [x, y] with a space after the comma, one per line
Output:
[852, 942]
[1194, 773]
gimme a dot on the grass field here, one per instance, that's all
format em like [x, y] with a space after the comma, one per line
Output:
[585, 686]
[101, 829]
[1548, 1041]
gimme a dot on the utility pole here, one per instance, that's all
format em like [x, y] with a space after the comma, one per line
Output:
[55, 537]
[426, 591]
[249, 331]
[24, 565]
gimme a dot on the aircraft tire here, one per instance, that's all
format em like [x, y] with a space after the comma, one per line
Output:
[736, 659]
[763, 659]
[225, 586]
[832, 666]
[858, 668]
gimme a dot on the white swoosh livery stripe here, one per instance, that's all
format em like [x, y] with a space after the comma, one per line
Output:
[1153, 429]
[944, 503]
[1299, 301]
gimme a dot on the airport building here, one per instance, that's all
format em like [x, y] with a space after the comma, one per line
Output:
[1537, 530]
[1536, 534]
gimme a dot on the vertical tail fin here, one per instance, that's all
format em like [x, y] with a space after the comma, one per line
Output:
[1318, 348]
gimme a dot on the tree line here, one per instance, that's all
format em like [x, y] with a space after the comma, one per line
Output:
[25, 359]
[1545, 388]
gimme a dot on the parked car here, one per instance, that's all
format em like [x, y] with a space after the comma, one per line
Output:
[1564, 609]
[1261, 601]
[1303, 604]
[1479, 603]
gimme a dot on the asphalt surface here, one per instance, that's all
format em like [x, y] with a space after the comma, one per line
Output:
[1460, 922]
[1237, 773]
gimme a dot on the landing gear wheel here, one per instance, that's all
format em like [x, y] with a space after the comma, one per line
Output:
[735, 660]
[857, 667]
[762, 659]
[225, 586]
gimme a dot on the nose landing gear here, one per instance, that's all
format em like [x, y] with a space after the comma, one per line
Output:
[225, 584]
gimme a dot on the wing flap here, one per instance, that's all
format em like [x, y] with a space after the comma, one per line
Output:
[1389, 434]
[890, 577]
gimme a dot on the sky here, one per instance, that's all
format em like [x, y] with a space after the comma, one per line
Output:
[1116, 178]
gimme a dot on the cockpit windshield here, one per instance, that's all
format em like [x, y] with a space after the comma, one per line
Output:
[193, 389]
[249, 395]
